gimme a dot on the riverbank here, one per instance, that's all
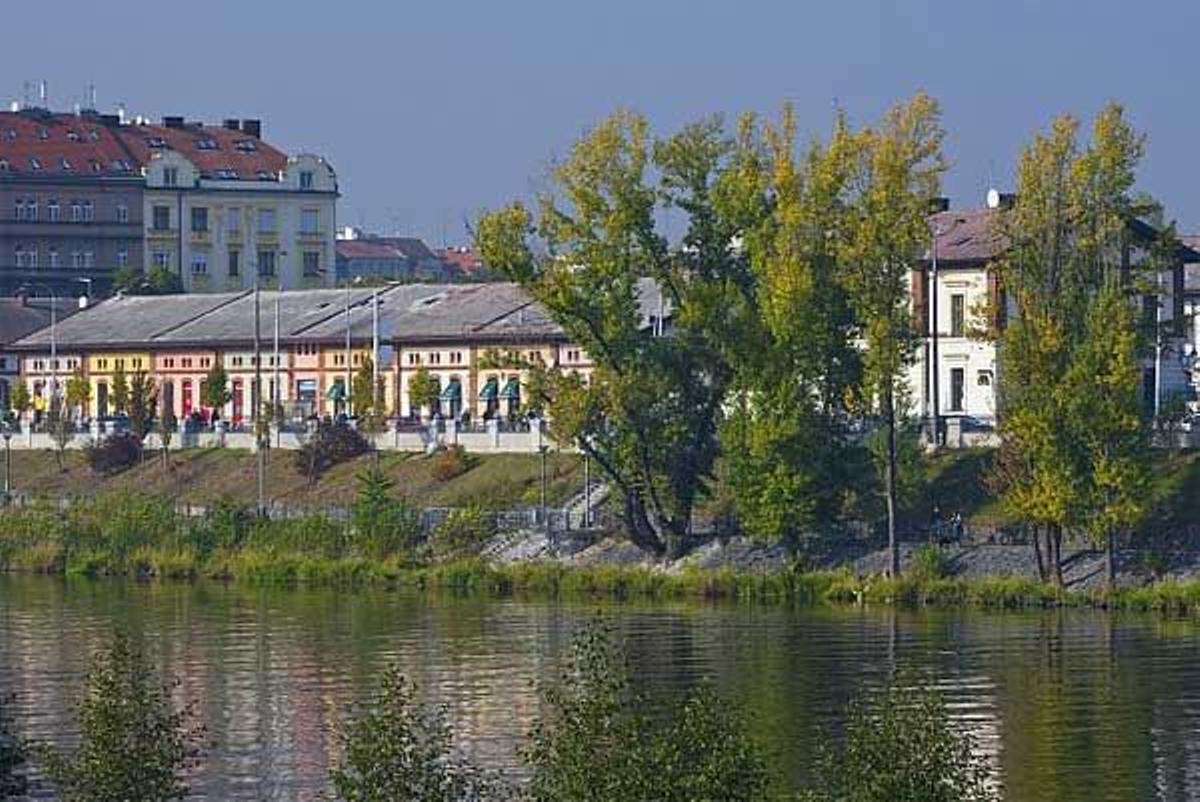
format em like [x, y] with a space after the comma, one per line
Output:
[142, 537]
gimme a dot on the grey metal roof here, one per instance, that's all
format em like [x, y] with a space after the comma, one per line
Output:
[20, 317]
[407, 313]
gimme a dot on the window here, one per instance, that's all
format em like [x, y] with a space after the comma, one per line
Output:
[266, 221]
[456, 357]
[435, 358]
[266, 263]
[187, 361]
[233, 218]
[957, 311]
[414, 359]
[199, 219]
[35, 164]
[312, 263]
[64, 163]
[206, 144]
[77, 259]
[52, 210]
[235, 266]
[162, 218]
[199, 264]
[122, 213]
[122, 258]
[170, 176]
[984, 378]
[52, 254]
[162, 258]
[89, 259]
[76, 212]
[956, 389]
[306, 179]
[89, 211]
[310, 221]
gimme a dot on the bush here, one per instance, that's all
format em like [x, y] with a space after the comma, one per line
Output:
[383, 526]
[133, 744]
[902, 747]
[396, 749]
[597, 743]
[449, 463]
[463, 532]
[331, 444]
[12, 756]
[115, 453]
[929, 563]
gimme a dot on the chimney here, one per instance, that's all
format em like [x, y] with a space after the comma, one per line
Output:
[1008, 200]
[172, 122]
[939, 204]
[231, 124]
[252, 128]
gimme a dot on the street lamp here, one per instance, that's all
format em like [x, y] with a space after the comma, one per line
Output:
[7, 430]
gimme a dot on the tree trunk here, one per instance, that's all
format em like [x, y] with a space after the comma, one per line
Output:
[1037, 550]
[1110, 562]
[641, 530]
[890, 481]
[1056, 535]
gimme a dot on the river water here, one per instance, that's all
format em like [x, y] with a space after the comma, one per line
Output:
[1068, 705]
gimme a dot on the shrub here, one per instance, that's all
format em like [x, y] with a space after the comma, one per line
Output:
[929, 563]
[398, 749]
[382, 525]
[331, 444]
[449, 463]
[12, 755]
[115, 453]
[463, 532]
[901, 747]
[596, 741]
[133, 744]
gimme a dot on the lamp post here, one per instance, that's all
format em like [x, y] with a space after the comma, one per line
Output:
[53, 336]
[256, 398]
[6, 431]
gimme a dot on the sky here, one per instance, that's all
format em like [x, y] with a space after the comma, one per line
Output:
[433, 112]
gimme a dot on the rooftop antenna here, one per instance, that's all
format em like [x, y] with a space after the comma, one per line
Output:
[44, 94]
[91, 96]
[26, 93]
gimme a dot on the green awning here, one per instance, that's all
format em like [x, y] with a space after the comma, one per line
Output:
[512, 390]
[452, 392]
[337, 392]
[490, 390]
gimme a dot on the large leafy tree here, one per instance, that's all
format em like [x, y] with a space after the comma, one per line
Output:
[899, 172]
[785, 440]
[1066, 240]
[214, 392]
[120, 388]
[648, 414]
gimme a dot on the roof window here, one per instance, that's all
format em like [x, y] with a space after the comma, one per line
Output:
[35, 164]
[206, 144]
[43, 132]
[94, 135]
[3, 166]
[11, 134]
[226, 173]
[64, 163]
[246, 145]
[156, 142]
[265, 175]
[73, 135]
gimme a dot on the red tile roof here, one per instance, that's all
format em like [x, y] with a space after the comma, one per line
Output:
[218, 152]
[965, 235]
[367, 249]
[39, 143]
[462, 258]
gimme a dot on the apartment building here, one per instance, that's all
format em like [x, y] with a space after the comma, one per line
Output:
[225, 209]
[70, 202]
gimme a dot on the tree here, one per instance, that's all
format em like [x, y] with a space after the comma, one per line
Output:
[423, 390]
[900, 168]
[13, 755]
[901, 747]
[366, 392]
[165, 429]
[79, 392]
[396, 748]
[120, 389]
[1065, 239]
[383, 526]
[19, 400]
[214, 391]
[133, 743]
[1102, 395]
[785, 440]
[595, 741]
[61, 429]
[143, 401]
[648, 414]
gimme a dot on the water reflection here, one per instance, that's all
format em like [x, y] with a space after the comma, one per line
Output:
[1067, 705]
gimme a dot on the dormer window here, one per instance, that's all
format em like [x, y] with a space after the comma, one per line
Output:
[170, 176]
[156, 142]
[227, 174]
[64, 163]
[206, 144]
[96, 166]
[306, 179]
[3, 166]
[264, 175]
[35, 164]
[11, 134]
[73, 135]
[246, 145]
[94, 135]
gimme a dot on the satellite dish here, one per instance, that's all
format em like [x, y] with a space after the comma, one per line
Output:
[993, 198]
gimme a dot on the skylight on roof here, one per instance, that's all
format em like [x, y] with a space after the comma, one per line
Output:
[64, 163]
[73, 135]
[206, 144]
[35, 164]
[246, 145]
[156, 142]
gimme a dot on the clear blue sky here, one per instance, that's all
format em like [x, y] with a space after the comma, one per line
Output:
[433, 111]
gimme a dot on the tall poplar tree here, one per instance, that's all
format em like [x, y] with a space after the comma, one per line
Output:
[899, 174]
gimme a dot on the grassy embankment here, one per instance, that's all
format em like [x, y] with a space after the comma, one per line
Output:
[123, 532]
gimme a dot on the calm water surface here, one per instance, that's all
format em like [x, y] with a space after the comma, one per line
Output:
[1068, 705]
